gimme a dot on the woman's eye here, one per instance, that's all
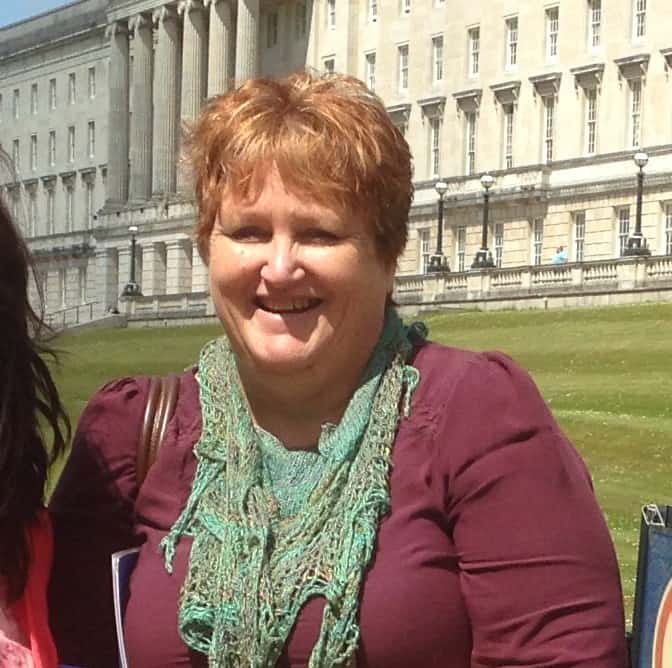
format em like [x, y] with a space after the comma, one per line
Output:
[319, 235]
[248, 233]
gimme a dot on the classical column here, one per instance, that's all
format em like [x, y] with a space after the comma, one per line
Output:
[247, 27]
[141, 118]
[178, 263]
[154, 269]
[166, 101]
[199, 271]
[194, 66]
[220, 46]
[106, 288]
[117, 150]
[123, 267]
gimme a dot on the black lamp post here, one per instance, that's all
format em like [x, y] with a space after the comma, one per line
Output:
[132, 289]
[637, 243]
[438, 261]
[483, 258]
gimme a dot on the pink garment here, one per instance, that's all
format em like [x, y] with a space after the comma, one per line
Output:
[25, 639]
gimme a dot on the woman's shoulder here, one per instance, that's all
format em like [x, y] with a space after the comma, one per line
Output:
[444, 369]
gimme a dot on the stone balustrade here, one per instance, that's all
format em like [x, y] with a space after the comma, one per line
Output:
[616, 281]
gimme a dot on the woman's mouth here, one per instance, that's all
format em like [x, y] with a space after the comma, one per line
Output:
[288, 306]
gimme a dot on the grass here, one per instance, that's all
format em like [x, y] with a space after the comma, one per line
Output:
[606, 374]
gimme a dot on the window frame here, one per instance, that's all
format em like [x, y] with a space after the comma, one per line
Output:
[403, 59]
[622, 229]
[549, 128]
[635, 91]
[470, 142]
[460, 247]
[594, 24]
[578, 240]
[474, 54]
[591, 118]
[639, 17]
[370, 70]
[537, 241]
[434, 127]
[512, 29]
[552, 32]
[437, 59]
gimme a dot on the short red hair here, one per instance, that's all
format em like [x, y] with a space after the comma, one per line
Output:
[330, 138]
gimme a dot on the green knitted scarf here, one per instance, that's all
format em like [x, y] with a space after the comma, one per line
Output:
[272, 528]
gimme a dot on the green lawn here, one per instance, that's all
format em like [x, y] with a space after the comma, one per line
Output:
[606, 373]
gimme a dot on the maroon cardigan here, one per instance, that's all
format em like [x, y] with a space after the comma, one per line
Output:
[495, 552]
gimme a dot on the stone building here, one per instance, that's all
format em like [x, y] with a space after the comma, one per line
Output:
[552, 99]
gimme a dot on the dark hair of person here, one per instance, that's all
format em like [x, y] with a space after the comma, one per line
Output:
[29, 408]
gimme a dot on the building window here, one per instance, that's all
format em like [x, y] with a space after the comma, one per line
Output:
[16, 155]
[15, 103]
[579, 235]
[51, 201]
[16, 201]
[61, 287]
[92, 82]
[329, 65]
[90, 206]
[373, 10]
[470, 143]
[71, 143]
[437, 58]
[508, 136]
[72, 88]
[668, 229]
[639, 16]
[623, 229]
[498, 234]
[435, 146]
[402, 52]
[271, 29]
[591, 121]
[33, 99]
[425, 252]
[33, 152]
[460, 247]
[474, 51]
[32, 213]
[300, 19]
[370, 70]
[405, 6]
[52, 148]
[69, 208]
[537, 240]
[52, 94]
[91, 139]
[635, 112]
[549, 124]
[594, 23]
[512, 41]
[331, 14]
[552, 28]
[81, 285]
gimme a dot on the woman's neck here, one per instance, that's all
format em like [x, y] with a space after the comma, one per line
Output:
[294, 408]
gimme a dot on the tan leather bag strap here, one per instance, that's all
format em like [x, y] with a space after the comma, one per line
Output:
[160, 406]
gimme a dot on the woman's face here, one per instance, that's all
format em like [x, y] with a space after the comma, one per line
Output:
[298, 286]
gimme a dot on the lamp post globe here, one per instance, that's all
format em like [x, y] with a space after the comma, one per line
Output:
[483, 258]
[438, 261]
[637, 243]
[132, 288]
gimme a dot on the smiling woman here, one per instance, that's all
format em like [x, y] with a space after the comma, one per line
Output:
[333, 490]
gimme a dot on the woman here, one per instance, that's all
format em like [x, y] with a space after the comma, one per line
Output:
[332, 489]
[27, 397]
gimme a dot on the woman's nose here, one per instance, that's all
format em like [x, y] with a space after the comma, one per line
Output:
[281, 264]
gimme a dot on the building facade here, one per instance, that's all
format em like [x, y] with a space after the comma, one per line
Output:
[552, 99]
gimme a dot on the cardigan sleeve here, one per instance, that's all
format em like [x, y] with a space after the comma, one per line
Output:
[92, 511]
[537, 566]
